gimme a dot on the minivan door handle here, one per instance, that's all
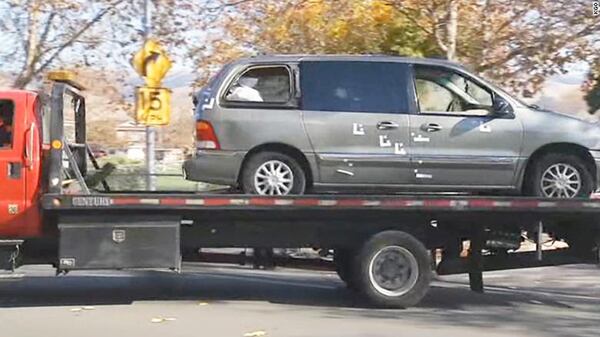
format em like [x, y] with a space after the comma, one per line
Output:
[431, 127]
[386, 125]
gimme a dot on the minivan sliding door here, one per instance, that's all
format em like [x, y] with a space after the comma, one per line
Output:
[355, 114]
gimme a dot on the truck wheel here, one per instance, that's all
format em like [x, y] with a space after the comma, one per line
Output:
[343, 260]
[393, 269]
[558, 175]
[273, 173]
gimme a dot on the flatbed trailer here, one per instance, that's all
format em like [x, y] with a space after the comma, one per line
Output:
[349, 225]
[386, 247]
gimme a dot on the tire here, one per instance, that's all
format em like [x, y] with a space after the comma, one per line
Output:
[256, 162]
[546, 166]
[343, 260]
[411, 287]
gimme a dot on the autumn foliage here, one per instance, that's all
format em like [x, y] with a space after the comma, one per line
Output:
[519, 44]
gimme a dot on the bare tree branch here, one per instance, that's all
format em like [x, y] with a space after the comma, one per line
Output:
[31, 68]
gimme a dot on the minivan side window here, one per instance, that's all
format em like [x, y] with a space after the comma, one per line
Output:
[7, 114]
[354, 86]
[261, 84]
[442, 91]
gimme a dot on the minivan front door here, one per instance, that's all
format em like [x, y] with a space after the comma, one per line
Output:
[456, 141]
[356, 116]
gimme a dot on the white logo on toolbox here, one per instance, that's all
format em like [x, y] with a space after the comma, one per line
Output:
[67, 262]
[119, 235]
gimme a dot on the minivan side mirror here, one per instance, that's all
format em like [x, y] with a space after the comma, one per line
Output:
[501, 107]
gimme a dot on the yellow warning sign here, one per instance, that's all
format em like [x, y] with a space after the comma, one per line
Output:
[153, 106]
[152, 63]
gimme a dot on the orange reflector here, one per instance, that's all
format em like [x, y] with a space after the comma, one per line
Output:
[56, 144]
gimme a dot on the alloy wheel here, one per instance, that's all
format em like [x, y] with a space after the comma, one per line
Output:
[561, 181]
[273, 177]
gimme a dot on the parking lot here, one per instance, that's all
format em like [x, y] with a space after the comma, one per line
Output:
[219, 300]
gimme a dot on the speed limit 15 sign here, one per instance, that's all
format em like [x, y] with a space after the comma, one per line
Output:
[153, 106]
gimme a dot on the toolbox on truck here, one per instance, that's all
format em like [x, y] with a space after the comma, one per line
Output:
[119, 243]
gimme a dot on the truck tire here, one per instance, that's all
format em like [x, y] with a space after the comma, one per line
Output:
[560, 175]
[288, 176]
[343, 260]
[393, 269]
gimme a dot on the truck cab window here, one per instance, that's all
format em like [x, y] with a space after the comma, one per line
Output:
[269, 84]
[442, 91]
[7, 110]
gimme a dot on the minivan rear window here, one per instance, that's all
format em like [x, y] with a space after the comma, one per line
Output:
[354, 86]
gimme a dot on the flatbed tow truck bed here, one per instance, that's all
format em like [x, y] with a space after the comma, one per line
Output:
[347, 224]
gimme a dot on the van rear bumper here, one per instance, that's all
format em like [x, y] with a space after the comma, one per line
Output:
[215, 167]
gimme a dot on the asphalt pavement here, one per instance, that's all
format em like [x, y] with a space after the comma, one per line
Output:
[218, 300]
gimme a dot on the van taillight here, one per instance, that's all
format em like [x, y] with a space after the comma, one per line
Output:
[205, 136]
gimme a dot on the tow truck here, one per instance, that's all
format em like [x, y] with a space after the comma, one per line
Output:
[386, 247]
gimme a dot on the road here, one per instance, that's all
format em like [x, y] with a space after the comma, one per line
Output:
[216, 300]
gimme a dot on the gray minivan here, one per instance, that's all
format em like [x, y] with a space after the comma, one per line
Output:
[277, 125]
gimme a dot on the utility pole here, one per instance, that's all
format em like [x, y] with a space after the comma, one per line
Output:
[150, 131]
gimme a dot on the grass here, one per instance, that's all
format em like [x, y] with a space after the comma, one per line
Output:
[130, 175]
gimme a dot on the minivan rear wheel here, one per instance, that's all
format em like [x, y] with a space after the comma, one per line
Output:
[558, 175]
[273, 173]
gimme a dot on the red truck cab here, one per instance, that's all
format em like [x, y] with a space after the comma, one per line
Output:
[20, 164]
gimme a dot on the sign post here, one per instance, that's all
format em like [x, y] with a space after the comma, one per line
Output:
[153, 103]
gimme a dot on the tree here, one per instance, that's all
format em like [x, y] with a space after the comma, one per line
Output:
[518, 43]
[592, 89]
[74, 33]
[44, 30]
[309, 27]
[104, 132]
[180, 132]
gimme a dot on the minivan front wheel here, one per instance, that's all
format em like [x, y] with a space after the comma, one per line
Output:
[273, 173]
[559, 175]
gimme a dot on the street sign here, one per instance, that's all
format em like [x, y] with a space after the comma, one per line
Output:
[153, 103]
[152, 63]
[153, 106]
